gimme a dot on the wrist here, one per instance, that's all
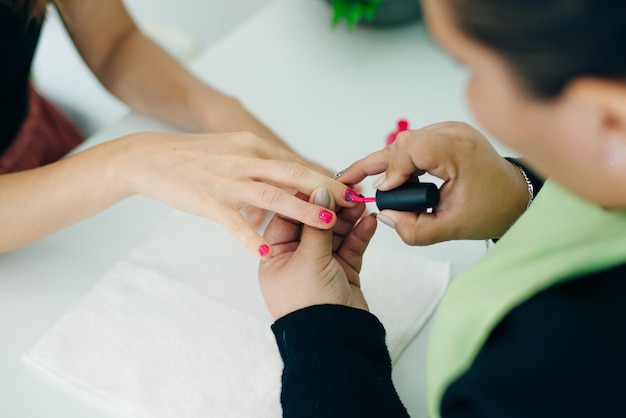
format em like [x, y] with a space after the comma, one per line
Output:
[213, 111]
[513, 199]
[326, 324]
[216, 112]
[121, 172]
[529, 188]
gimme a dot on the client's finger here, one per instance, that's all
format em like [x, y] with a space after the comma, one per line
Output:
[254, 215]
[292, 175]
[314, 242]
[346, 219]
[240, 228]
[355, 244]
[278, 200]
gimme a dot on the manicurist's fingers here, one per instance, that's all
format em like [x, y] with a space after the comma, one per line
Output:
[420, 228]
[407, 225]
[413, 153]
[405, 161]
[374, 163]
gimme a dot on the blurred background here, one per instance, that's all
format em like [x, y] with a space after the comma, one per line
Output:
[182, 27]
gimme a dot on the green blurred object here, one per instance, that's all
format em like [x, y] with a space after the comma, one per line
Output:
[379, 13]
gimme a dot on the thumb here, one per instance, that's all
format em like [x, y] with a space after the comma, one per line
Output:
[417, 228]
[314, 242]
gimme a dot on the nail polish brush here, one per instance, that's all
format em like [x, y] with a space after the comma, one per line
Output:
[408, 197]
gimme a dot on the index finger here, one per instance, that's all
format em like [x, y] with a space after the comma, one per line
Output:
[375, 163]
[295, 176]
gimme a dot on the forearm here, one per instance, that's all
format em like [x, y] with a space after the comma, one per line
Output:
[143, 75]
[150, 81]
[336, 364]
[35, 203]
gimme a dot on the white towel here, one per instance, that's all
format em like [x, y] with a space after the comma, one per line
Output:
[179, 328]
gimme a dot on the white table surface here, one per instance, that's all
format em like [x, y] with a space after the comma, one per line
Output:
[333, 95]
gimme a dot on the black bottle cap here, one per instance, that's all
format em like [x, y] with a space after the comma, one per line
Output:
[409, 197]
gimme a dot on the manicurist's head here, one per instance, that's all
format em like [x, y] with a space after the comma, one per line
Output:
[548, 79]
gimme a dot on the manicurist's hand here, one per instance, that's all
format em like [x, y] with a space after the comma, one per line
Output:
[482, 194]
[312, 266]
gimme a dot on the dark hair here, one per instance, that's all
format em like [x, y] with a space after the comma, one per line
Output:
[31, 9]
[549, 43]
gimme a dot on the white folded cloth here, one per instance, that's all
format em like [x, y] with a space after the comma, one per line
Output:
[179, 328]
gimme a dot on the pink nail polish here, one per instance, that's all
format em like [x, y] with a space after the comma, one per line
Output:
[352, 196]
[325, 216]
[264, 250]
[349, 195]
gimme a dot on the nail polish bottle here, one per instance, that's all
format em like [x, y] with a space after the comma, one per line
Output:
[409, 197]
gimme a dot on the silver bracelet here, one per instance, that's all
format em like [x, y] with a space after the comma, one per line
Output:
[531, 189]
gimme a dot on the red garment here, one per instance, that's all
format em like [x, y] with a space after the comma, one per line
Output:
[45, 136]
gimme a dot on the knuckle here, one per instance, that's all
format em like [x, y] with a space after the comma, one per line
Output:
[249, 139]
[462, 125]
[271, 196]
[464, 145]
[409, 238]
[443, 127]
[350, 254]
[413, 235]
[403, 138]
[206, 199]
[295, 170]
[236, 224]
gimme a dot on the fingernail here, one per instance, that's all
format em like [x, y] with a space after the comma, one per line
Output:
[325, 216]
[349, 194]
[264, 250]
[380, 180]
[386, 220]
[321, 197]
[339, 174]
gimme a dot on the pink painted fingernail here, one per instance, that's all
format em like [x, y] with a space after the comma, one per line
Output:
[349, 195]
[264, 250]
[325, 216]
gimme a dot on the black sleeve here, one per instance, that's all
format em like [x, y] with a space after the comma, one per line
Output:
[559, 354]
[336, 364]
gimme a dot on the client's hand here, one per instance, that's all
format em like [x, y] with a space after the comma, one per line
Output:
[311, 266]
[216, 175]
